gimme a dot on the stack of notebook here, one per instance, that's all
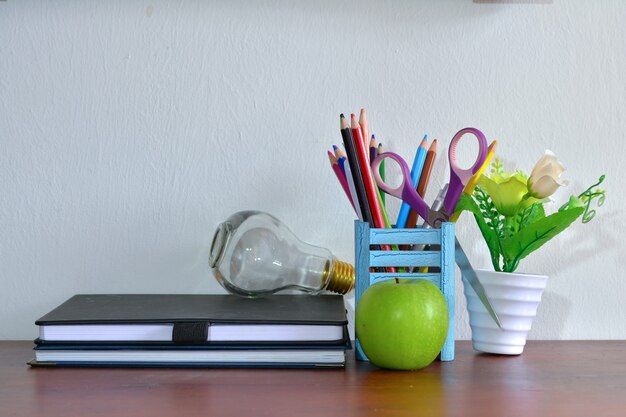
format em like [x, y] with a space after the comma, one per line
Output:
[194, 331]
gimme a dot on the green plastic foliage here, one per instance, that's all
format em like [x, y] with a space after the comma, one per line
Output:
[534, 235]
[512, 221]
[466, 203]
[512, 237]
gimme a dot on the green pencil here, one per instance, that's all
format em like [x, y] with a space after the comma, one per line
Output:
[382, 172]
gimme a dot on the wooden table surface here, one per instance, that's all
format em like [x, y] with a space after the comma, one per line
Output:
[572, 378]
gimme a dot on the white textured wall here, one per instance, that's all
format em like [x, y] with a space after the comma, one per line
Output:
[129, 129]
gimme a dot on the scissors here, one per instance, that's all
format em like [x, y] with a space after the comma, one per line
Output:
[459, 177]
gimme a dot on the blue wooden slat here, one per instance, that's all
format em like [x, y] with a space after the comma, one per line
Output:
[404, 258]
[361, 260]
[405, 236]
[375, 277]
[447, 286]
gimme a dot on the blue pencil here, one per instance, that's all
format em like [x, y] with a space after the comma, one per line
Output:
[416, 172]
[341, 158]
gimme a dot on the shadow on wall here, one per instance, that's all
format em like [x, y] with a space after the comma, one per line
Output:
[553, 310]
[568, 251]
[572, 251]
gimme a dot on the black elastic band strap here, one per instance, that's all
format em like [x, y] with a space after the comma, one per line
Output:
[190, 332]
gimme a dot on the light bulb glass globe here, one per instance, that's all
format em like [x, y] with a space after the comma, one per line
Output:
[253, 254]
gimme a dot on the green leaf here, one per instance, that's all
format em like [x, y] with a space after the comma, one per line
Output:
[536, 234]
[531, 214]
[467, 203]
[497, 168]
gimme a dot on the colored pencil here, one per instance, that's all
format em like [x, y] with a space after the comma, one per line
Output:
[341, 158]
[381, 196]
[416, 170]
[471, 184]
[331, 157]
[371, 188]
[423, 182]
[357, 175]
[373, 149]
[381, 171]
[341, 177]
[366, 173]
[428, 167]
[364, 125]
[352, 188]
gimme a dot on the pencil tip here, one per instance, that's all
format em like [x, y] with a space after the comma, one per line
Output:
[354, 124]
[335, 147]
[342, 116]
[373, 136]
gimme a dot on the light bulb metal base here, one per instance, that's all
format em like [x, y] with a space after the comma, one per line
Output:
[340, 279]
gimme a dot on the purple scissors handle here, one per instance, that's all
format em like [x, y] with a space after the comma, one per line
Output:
[459, 177]
[405, 191]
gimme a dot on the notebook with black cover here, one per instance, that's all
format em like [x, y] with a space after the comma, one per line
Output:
[189, 356]
[195, 319]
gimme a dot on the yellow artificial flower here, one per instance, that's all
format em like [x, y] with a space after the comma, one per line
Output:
[506, 193]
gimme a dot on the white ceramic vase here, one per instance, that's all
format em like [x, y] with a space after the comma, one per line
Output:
[515, 298]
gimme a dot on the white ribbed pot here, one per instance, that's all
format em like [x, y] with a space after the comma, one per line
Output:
[515, 298]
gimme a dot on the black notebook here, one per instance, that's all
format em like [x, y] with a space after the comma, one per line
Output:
[304, 356]
[196, 319]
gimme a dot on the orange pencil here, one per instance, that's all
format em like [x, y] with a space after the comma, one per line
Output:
[428, 167]
[423, 182]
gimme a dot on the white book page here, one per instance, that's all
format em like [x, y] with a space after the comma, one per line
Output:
[163, 333]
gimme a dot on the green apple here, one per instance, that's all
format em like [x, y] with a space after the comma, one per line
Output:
[402, 325]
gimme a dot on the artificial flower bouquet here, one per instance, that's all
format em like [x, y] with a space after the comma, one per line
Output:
[510, 213]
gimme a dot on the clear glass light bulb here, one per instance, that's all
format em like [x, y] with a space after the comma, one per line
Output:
[253, 254]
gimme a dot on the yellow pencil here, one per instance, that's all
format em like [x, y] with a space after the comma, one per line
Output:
[471, 184]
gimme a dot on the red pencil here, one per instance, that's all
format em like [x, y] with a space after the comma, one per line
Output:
[368, 179]
[370, 186]
[363, 123]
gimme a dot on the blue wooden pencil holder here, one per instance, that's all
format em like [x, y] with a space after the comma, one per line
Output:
[441, 258]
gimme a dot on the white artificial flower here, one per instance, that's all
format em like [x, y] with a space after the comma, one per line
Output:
[545, 177]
